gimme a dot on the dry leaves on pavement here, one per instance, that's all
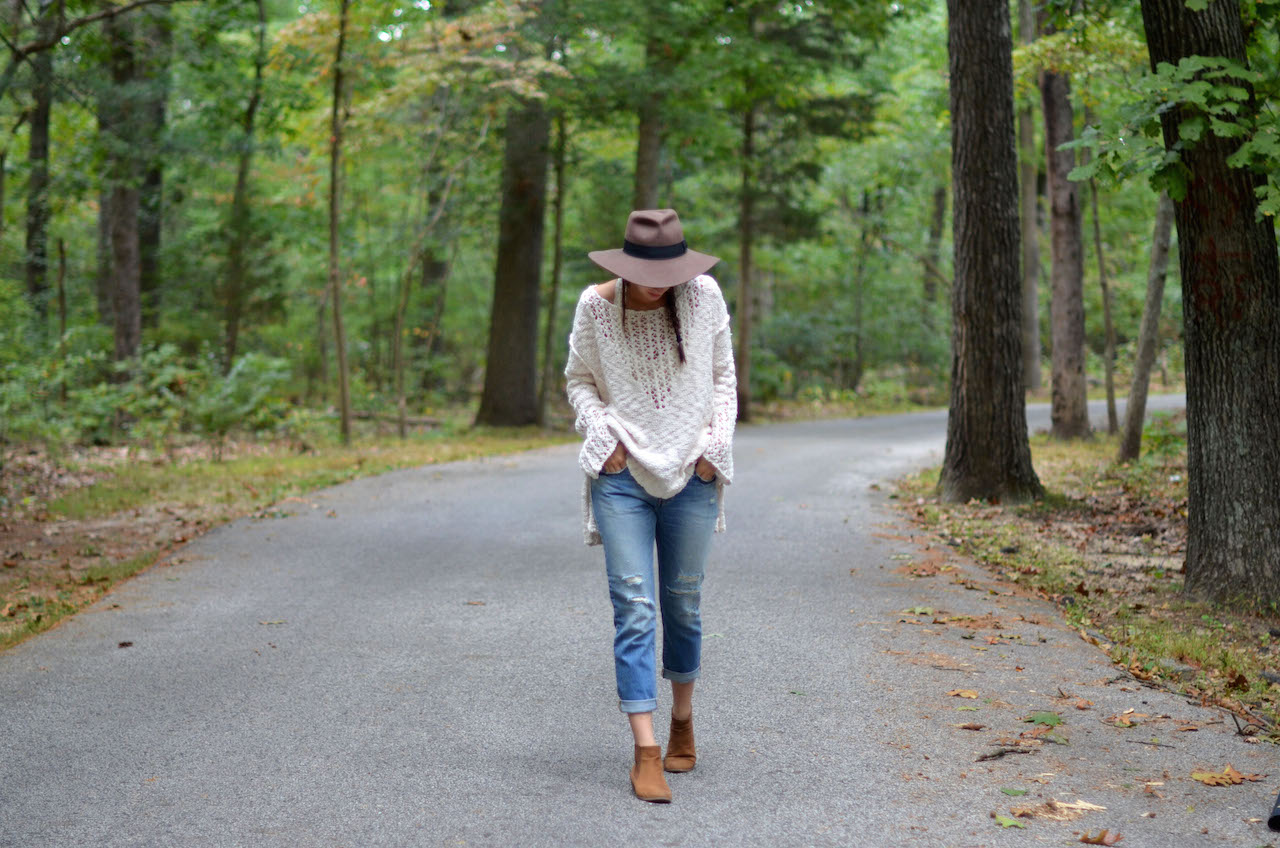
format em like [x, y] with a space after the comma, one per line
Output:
[1227, 777]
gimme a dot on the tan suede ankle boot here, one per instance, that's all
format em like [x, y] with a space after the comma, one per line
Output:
[681, 755]
[646, 775]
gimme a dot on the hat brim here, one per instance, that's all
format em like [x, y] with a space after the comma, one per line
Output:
[655, 273]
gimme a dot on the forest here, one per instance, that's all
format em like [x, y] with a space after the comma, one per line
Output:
[251, 217]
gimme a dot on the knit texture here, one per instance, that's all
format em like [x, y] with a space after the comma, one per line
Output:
[631, 387]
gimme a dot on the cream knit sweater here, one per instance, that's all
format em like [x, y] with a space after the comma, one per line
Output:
[632, 388]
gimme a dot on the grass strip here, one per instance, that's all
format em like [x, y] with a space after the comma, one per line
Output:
[63, 555]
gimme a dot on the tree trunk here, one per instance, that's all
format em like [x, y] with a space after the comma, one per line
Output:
[933, 254]
[1109, 351]
[335, 215]
[239, 226]
[1069, 408]
[1135, 410]
[746, 235]
[649, 133]
[123, 175]
[157, 52]
[510, 396]
[1030, 211]
[987, 453]
[37, 264]
[1231, 309]
[104, 278]
[549, 360]
[126, 300]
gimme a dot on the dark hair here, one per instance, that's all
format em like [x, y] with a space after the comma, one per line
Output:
[669, 301]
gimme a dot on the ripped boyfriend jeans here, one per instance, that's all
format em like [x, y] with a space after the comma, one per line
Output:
[631, 522]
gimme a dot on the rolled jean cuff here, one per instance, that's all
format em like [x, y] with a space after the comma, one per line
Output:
[648, 705]
[682, 676]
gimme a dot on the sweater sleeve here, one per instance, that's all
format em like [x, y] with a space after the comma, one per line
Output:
[584, 394]
[724, 412]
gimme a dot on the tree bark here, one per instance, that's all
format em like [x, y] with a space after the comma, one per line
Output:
[649, 133]
[510, 395]
[1069, 410]
[126, 300]
[156, 54]
[239, 225]
[104, 280]
[37, 246]
[746, 236]
[1231, 309]
[1109, 348]
[117, 121]
[1030, 211]
[987, 453]
[335, 216]
[549, 360]
[1135, 410]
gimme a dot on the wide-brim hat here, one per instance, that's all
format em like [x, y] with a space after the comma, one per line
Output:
[654, 252]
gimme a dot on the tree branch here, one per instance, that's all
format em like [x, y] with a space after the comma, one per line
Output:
[19, 54]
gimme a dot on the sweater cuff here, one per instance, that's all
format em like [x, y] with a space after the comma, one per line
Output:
[598, 447]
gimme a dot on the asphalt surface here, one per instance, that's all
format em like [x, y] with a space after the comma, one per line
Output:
[423, 658]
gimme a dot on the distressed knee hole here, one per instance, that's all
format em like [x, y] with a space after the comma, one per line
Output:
[632, 580]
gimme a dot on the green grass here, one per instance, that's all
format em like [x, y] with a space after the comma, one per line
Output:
[263, 479]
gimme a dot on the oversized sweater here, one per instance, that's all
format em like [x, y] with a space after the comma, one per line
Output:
[631, 387]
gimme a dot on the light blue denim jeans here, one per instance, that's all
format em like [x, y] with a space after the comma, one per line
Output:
[631, 522]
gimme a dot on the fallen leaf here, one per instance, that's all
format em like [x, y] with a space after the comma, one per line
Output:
[963, 693]
[967, 709]
[1082, 704]
[1014, 792]
[971, 726]
[1044, 717]
[1005, 821]
[1228, 777]
[475, 603]
[1103, 838]
[918, 611]
[126, 645]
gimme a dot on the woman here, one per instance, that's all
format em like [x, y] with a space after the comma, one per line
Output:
[651, 378]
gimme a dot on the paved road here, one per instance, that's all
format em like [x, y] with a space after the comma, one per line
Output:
[423, 659]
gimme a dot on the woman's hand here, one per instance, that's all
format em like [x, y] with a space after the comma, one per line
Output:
[616, 461]
[705, 470]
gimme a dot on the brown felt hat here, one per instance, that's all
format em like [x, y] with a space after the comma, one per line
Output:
[654, 252]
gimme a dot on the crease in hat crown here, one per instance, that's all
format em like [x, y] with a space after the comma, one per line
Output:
[654, 251]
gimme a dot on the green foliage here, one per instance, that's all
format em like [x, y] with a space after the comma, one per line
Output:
[248, 397]
[1206, 96]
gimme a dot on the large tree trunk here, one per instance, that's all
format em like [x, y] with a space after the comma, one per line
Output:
[746, 236]
[335, 220]
[37, 264]
[510, 396]
[1231, 309]
[649, 133]
[237, 286]
[549, 360]
[103, 278]
[1069, 408]
[1028, 174]
[157, 49]
[126, 299]
[123, 172]
[987, 454]
[1148, 335]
